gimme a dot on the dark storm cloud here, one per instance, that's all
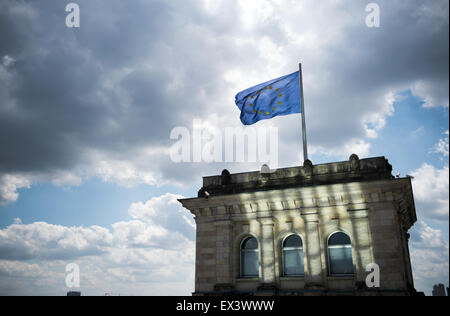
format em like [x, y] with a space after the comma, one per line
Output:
[134, 70]
[359, 65]
[411, 44]
[57, 81]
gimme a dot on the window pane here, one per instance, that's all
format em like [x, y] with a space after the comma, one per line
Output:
[341, 260]
[249, 263]
[250, 243]
[339, 239]
[293, 241]
[293, 262]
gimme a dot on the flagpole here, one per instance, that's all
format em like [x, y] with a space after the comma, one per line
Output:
[302, 109]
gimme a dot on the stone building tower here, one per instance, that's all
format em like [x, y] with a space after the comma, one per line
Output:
[310, 230]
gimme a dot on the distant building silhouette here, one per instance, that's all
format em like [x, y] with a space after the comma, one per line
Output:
[73, 293]
[439, 290]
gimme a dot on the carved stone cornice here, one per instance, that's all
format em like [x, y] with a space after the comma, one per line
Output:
[354, 169]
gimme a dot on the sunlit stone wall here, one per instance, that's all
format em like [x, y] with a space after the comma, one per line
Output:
[358, 197]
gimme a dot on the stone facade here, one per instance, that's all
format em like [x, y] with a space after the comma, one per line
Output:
[357, 197]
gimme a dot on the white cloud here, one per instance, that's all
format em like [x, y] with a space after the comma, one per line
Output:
[431, 191]
[417, 131]
[17, 220]
[138, 166]
[359, 147]
[431, 94]
[151, 254]
[123, 173]
[137, 233]
[442, 146]
[429, 256]
[164, 210]
[429, 237]
[9, 184]
[20, 269]
[8, 61]
[45, 241]
[160, 222]
[429, 246]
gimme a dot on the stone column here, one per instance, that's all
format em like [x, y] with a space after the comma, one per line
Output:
[267, 254]
[313, 251]
[362, 248]
[205, 267]
[224, 263]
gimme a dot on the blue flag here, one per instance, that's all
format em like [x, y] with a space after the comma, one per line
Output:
[279, 96]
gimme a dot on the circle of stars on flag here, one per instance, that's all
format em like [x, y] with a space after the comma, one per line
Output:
[258, 92]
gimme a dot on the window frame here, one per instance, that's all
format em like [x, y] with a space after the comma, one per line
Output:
[241, 251]
[291, 248]
[339, 246]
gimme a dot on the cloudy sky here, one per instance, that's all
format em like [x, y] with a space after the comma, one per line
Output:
[86, 115]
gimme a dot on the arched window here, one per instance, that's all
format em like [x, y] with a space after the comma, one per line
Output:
[249, 258]
[340, 254]
[293, 256]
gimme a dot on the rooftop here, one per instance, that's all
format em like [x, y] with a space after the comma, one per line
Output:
[352, 170]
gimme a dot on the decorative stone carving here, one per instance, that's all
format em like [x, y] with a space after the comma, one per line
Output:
[226, 177]
[308, 168]
[354, 163]
[265, 170]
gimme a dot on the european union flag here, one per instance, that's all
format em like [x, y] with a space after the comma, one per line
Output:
[279, 96]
